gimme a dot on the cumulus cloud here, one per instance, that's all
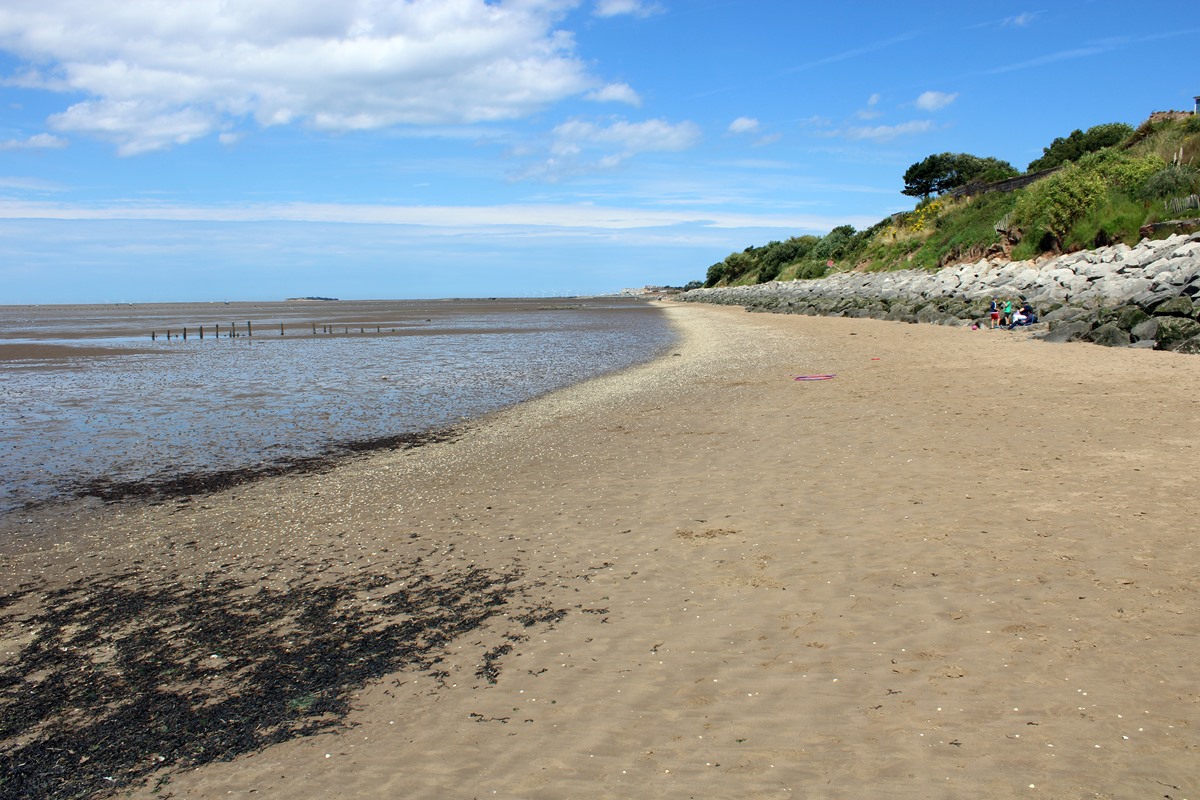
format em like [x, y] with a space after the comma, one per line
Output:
[160, 72]
[616, 93]
[743, 125]
[637, 8]
[885, 133]
[932, 101]
[38, 141]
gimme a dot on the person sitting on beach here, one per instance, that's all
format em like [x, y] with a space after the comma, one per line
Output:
[1023, 316]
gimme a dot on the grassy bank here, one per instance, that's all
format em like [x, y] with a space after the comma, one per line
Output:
[1091, 199]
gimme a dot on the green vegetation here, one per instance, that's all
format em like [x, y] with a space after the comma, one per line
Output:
[1079, 143]
[941, 232]
[945, 171]
[1108, 182]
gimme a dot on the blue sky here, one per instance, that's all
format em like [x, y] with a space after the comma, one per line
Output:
[189, 150]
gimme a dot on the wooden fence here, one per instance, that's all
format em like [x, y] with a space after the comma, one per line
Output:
[1177, 205]
[1006, 185]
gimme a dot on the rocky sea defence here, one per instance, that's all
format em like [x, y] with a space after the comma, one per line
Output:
[1118, 296]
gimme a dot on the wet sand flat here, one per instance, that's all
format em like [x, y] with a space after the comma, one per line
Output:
[963, 567]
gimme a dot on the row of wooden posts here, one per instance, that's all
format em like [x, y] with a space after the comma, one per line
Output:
[232, 331]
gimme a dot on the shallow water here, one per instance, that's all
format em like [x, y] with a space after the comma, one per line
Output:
[86, 394]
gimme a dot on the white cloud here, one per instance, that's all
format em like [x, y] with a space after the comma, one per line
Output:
[29, 185]
[743, 125]
[616, 93]
[932, 101]
[637, 8]
[1021, 20]
[582, 146]
[448, 220]
[629, 137]
[884, 133]
[160, 72]
[38, 141]
[870, 112]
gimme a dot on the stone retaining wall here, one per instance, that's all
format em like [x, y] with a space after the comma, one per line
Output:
[1142, 296]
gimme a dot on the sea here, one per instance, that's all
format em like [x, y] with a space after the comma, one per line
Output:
[143, 393]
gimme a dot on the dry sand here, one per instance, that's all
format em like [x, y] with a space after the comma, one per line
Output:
[964, 567]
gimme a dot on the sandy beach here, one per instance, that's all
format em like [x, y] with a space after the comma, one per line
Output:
[963, 567]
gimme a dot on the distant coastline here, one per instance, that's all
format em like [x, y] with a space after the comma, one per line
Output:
[297, 299]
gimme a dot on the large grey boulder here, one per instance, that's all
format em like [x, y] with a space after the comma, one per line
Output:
[1064, 314]
[1110, 334]
[1191, 346]
[1067, 331]
[1177, 307]
[1151, 298]
[1145, 330]
[1172, 331]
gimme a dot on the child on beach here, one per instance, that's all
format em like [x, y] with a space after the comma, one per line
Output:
[994, 314]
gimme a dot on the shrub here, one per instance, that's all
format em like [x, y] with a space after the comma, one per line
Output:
[1173, 180]
[1117, 219]
[1052, 205]
[1122, 170]
[834, 244]
[810, 270]
[1080, 143]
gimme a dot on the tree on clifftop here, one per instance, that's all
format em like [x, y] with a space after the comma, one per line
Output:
[1080, 143]
[943, 171]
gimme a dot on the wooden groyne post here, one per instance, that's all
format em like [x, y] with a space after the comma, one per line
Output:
[325, 327]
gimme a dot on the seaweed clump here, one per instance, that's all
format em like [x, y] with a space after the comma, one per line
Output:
[122, 677]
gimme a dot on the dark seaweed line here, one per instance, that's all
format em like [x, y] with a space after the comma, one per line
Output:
[128, 677]
[201, 482]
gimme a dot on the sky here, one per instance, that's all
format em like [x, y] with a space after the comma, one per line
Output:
[197, 150]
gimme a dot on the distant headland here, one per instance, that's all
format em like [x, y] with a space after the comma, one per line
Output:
[297, 299]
